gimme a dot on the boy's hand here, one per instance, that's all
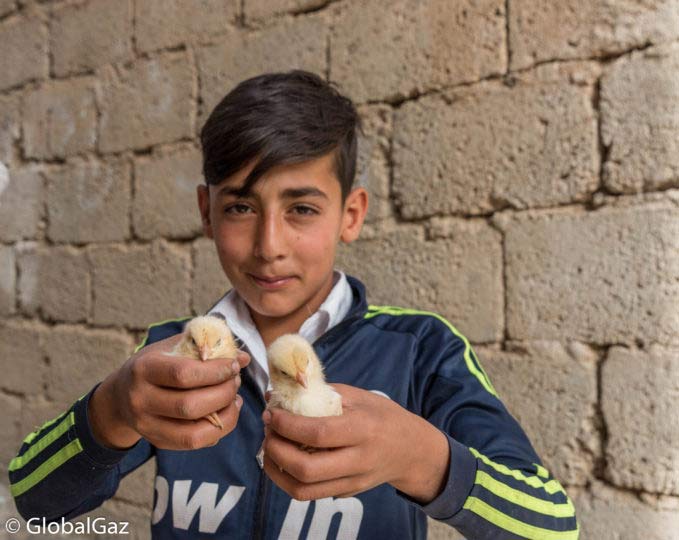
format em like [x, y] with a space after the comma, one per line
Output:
[164, 399]
[374, 441]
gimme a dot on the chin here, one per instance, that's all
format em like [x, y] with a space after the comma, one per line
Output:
[275, 309]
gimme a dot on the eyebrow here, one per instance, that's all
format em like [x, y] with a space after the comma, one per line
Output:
[295, 193]
[289, 193]
[228, 190]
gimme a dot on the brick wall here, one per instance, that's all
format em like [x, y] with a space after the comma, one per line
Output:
[523, 163]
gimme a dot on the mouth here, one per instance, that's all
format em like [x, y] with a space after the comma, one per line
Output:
[271, 282]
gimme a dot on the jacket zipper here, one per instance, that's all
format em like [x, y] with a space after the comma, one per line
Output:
[260, 513]
[264, 481]
[262, 488]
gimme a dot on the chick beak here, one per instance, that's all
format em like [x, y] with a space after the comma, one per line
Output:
[301, 378]
[204, 352]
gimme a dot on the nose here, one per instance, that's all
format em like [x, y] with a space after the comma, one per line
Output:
[270, 242]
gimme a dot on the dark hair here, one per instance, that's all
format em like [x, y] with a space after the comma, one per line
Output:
[280, 118]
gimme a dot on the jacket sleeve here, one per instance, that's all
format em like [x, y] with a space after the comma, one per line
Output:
[62, 471]
[496, 486]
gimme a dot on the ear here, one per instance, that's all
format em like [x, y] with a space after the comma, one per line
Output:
[203, 193]
[355, 209]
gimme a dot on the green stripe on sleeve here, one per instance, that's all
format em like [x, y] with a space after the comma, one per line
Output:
[550, 487]
[478, 372]
[542, 472]
[513, 525]
[33, 434]
[62, 456]
[43, 443]
[148, 330]
[548, 508]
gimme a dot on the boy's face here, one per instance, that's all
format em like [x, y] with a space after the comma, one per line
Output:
[277, 244]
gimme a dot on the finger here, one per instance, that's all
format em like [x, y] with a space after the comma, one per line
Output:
[173, 434]
[319, 432]
[166, 344]
[318, 490]
[189, 404]
[180, 372]
[242, 358]
[318, 466]
[229, 415]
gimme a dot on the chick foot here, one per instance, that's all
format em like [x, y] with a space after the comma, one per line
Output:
[214, 419]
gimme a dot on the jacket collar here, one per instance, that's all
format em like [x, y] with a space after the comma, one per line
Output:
[359, 305]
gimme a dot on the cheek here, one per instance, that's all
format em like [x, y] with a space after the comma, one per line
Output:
[317, 244]
[231, 242]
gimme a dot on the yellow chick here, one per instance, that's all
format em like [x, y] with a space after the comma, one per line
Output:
[207, 337]
[297, 380]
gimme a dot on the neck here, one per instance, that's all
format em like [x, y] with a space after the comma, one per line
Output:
[271, 328]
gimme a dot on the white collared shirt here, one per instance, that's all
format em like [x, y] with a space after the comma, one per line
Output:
[233, 308]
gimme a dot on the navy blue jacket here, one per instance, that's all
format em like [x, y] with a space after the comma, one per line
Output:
[496, 486]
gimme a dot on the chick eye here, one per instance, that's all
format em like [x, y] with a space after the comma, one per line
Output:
[218, 342]
[193, 341]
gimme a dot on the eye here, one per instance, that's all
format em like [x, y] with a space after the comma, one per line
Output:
[237, 209]
[304, 210]
[218, 342]
[193, 341]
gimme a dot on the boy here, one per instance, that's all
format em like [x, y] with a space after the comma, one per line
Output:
[423, 431]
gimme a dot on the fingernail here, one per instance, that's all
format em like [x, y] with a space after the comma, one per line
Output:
[237, 381]
[235, 366]
[266, 417]
[238, 401]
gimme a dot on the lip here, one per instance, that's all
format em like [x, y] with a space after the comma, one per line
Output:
[271, 282]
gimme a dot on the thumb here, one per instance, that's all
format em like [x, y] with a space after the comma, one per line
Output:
[167, 344]
[243, 358]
